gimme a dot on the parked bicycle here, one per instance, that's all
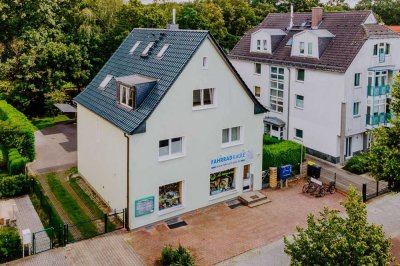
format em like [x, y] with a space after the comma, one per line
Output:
[310, 186]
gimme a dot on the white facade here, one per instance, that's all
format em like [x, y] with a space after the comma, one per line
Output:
[317, 112]
[102, 161]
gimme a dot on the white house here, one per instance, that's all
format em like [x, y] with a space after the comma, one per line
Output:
[325, 77]
[168, 126]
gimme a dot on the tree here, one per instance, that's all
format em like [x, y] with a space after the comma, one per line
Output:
[335, 240]
[384, 154]
[386, 10]
[10, 244]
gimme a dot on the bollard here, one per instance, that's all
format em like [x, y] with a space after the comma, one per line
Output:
[364, 192]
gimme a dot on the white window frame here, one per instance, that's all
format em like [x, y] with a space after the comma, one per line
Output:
[127, 95]
[162, 51]
[277, 100]
[231, 142]
[302, 133]
[255, 91]
[203, 106]
[359, 80]
[229, 192]
[265, 45]
[258, 45]
[310, 48]
[297, 75]
[302, 48]
[175, 208]
[171, 155]
[255, 69]
[358, 109]
[295, 102]
[205, 62]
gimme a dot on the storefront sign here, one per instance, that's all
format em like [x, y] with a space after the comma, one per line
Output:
[230, 160]
[144, 206]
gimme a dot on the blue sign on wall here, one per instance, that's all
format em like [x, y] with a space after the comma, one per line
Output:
[144, 206]
[285, 171]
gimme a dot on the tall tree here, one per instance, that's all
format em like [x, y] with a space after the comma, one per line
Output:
[331, 239]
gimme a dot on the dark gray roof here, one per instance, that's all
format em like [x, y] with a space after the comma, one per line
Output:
[339, 53]
[274, 121]
[183, 45]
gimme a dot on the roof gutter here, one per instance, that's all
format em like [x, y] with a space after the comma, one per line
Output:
[127, 181]
[288, 111]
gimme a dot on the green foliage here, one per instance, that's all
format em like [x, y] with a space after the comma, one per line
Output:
[44, 122]
[3, 156]
[179, 256]
[267, 140]
[71, 207]
[16, 131]
[16, 162]
[282, 153]
[387, 10]
[10, 244]
[12, 186]
[331, 239]
[357, 164]
[85, 198]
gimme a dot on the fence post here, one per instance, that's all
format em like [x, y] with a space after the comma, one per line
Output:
[377, 188]
[60, 236]
[364, 192]
[33, 244]
[105, 222]
[123, 218]
[126, 219]
[335, 178]
[65, 234]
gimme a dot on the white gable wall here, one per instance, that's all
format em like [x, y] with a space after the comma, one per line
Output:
[202, 130]
[305, 37]
[260, 35]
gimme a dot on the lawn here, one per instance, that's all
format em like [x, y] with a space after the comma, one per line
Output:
[71, 207]
[44, 122]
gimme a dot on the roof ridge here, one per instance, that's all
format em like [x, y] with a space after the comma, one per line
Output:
[162, 29]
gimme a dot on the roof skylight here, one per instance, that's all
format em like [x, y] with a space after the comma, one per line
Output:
[147, 49]
[162, 51]
[105, 81]
[134, 47]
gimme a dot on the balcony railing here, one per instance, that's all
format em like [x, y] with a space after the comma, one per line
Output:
[378, 90]
[378, 119]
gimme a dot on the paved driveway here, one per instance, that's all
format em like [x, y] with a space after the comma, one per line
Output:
[55, 149]
[218, 232]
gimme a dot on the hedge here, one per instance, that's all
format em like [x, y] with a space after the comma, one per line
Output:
[357, 164]
[12, 186]
[16, 163]
[178, 256]
[10, 244]
[282, 153]
[3, 156]
[16, 131]
[268, 140]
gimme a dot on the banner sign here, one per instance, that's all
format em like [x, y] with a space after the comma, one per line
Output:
[230, 160]
[144, 206]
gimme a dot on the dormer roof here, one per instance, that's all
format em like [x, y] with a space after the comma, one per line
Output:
[319, 33]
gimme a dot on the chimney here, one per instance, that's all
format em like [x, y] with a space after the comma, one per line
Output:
[316, 17]
[173, 25]
[291, 17]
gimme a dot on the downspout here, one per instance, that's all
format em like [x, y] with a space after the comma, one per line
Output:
[288, 112]
[127, 181]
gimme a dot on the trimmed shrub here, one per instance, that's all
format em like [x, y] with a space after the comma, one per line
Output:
[357, 164]
[267, 140]
[3, 156]
[10, 244]
[282, 153]
[16, 131]
[12, 186]
[180, 256]
[16, 163]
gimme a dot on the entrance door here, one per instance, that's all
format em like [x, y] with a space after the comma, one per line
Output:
[247, 178]
[348, 152]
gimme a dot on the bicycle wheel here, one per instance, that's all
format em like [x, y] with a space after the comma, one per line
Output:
[313, 187]
[321, 192]
[305, 188]
[332, 190]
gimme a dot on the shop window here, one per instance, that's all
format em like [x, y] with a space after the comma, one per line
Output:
[170, 147]
[300, 74]
[257, 91]
[257, 68]
[231, 135]
[203, 97]
[222, 182]
[170, 196]
[126, 96]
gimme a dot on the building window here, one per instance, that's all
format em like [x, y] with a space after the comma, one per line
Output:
[134, 47]
[257, 91]
[170, 147]
[357, 77]
[259, 45]
[105, 81]
[299, 133]
[387, 50]
[276, 89]
[162, 51]
[265, 45]
[310, 48]
[301, 47]
[382, 49]
[222, 181]
[205, 62]
[126, 96]
[203, 97]
[231, 135]
[356, 108]
[170, 196]
[147, 49]
[257, 68]
[300, 101]
[375, 49]
[300, 74]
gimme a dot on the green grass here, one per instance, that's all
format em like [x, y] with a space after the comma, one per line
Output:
[44, 122]
[71, 207]
[3, 172]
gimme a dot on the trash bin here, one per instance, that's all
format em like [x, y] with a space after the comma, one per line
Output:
[314, 170]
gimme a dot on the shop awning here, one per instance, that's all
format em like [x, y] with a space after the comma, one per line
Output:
[381, 68]
[274, 121]
[65, 108]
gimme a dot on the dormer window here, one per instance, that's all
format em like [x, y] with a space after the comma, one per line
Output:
[310, 48]
[162, 51]
[265, 45]
[134, 47]
[258, 45]
[301, 51]
[127, 96]
[147, 49]
[266, 40]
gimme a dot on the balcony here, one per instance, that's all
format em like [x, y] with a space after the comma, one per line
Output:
[378, 119]
[378, 90]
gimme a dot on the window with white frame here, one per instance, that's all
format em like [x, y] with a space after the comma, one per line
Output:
[276, 88]
[258, 45]
[257, 68]
[381, 48]
[356, 108]
[205, 62]
[310, 48]
[357, 78]
[231, 135]
[300, 74]
[203, 97]
[302, 45]
[170, 196]
[170, 147]
[265, 46]
[127, 96]
[257, 91]
[299, 101]
[298, 133]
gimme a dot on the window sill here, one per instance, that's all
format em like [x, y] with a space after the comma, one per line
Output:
[223, 194]
[299, 81]
[172, 209]
[297, 138]
[356, 116]
[357, 87]
[257, 74]
[170, 157]
[204, 107]
[231, 144]
[299, 108]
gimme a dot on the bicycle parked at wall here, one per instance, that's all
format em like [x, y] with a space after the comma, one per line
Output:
[319, 190]
[310, 186]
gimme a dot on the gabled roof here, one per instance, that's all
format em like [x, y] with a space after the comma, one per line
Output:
[347, 27]
[319, 33]
[132, 67]
[272, 31]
